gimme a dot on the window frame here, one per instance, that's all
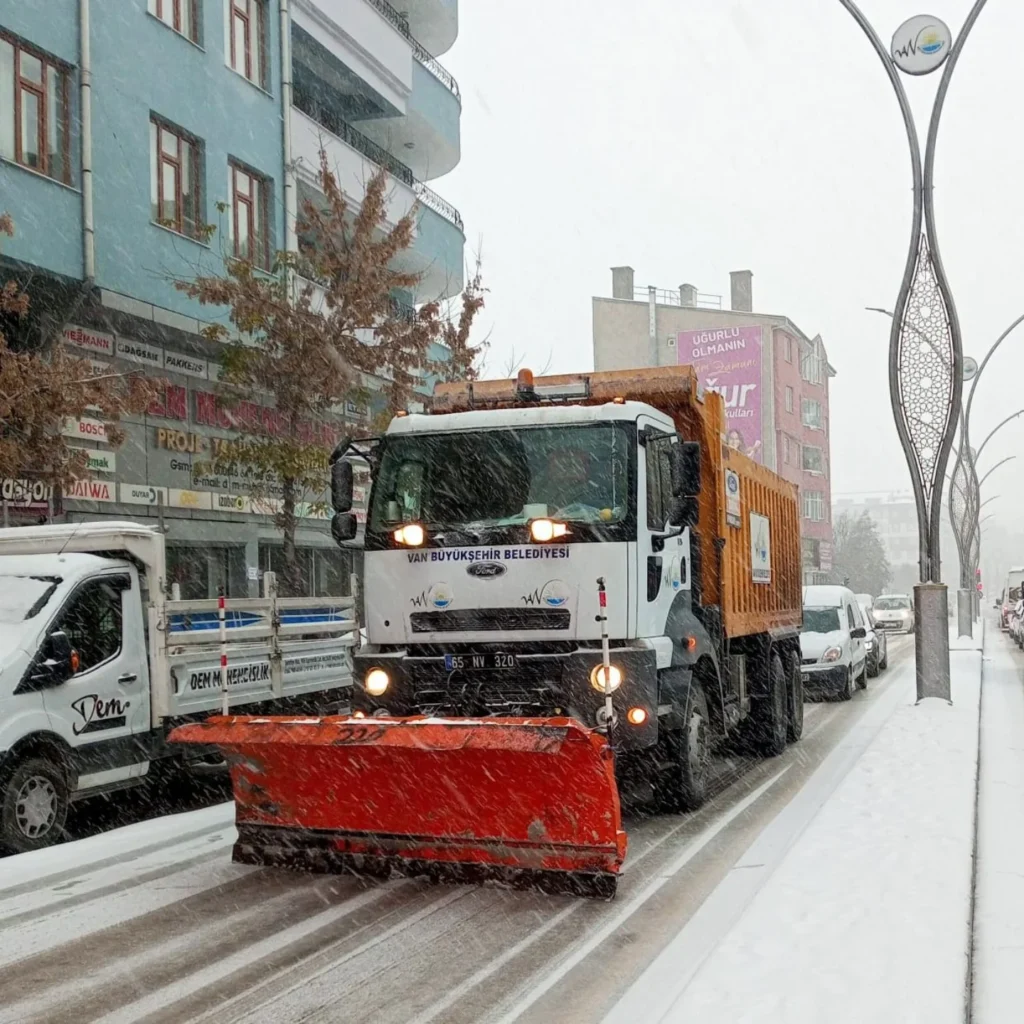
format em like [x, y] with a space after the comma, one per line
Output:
[195, 169]
[813, 503]
[803, 464]
[246, 11]
[261, 201]
[121, 582]
[659, 479]
[156, 8]
[789, 349]
[789, 398]
[805, 419]
[42, 93]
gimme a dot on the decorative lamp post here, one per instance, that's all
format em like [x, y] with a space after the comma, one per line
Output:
[925, 350]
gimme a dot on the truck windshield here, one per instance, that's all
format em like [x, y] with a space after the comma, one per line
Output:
[821, 620]
[23, 597]
[892, 604]
[504, 477]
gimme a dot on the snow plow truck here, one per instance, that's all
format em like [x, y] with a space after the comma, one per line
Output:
[571, 584]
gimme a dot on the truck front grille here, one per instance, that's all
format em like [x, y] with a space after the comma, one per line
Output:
[483, 701]
[473, 620]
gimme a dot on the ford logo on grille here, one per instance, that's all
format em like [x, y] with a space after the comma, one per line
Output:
[486, 570]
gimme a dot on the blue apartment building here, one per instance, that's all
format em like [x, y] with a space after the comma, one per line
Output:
[127, 128]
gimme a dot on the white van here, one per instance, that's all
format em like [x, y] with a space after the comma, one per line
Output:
[832, 643]
[97, 663]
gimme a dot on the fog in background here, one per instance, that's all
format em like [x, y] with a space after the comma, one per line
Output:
[695, 138]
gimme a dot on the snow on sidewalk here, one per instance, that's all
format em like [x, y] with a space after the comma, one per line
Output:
[862, 911]
[998, 992]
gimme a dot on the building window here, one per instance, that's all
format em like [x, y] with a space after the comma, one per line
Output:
[785, 449]
[810, 413]
[810, 368]
[247, 39]
[789, 349]
[813, 459]
[34, 110]
[249, 216]
[814, 506]
[181, 15]
[789, 399]
[175, 177]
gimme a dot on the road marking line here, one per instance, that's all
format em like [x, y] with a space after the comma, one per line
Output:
[595, 938]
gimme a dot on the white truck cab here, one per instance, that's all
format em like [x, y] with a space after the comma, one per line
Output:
[97, 662]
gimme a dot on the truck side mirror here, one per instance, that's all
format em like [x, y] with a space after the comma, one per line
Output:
[685, 458]
[684, 512]
[341, 486]
[343, 527]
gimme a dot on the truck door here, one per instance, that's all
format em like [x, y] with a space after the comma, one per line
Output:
[664, 564]
[106, 702]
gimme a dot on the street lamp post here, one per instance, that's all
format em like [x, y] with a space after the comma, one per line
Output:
[925, 350]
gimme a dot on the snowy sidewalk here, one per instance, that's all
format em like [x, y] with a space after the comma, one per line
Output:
[854, 904]
[998, 989]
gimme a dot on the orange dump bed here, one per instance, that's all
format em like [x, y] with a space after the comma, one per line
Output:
[749, 605]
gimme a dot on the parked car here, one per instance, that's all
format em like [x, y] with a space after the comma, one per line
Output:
[893, 612]
[876, 642]
[1012, 593]
[832, 644]
[1015, 626]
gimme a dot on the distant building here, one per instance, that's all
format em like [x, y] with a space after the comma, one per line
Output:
[895, 518]
[774, 378]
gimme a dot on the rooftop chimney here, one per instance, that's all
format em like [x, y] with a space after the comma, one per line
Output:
[741, 289]
[622, 283]
[687, 295]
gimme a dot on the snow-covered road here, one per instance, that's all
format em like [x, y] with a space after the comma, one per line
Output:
[153, 923]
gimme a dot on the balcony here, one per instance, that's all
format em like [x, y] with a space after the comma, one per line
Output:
[376, 75]
[423, 47]
[435, 23]
[437, 251]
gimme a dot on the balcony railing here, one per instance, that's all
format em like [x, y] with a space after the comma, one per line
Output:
[431, 63]
[428, 197]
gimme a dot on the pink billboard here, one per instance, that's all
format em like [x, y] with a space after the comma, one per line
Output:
[728, 360]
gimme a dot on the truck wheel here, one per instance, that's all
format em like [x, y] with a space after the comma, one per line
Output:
[771, 712]
[33, 805]
[682, 784]
[795, 702]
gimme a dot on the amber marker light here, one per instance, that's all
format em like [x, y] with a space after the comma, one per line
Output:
[636, 716]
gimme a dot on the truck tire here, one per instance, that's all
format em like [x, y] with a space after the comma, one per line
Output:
[770, 712]
[795, 701]
[33, 805]
[682, 783]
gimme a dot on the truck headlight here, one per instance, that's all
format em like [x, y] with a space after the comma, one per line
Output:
[832, 654]
[597, 678]
[376, 682]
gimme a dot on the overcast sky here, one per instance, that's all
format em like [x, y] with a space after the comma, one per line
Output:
[704, 136]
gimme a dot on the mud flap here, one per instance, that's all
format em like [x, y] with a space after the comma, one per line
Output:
[527, 802]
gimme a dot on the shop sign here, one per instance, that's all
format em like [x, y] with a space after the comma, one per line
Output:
[139, 352]
[232, 503]
[179, 498]
[142, 494]
[91, 490]
[180, 441]
[89, 340]
[33, 494]
[85, 429]
[189, 366]
[266, 506]
[99, 461]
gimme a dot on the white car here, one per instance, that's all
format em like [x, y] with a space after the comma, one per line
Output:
[894, 612]
[833, 642]
[876, 642]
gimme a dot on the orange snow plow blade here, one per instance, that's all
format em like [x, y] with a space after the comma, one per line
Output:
[527, 801]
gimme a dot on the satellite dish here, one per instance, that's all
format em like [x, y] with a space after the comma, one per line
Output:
[970, 367]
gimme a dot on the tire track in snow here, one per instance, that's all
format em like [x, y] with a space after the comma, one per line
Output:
[119, 965]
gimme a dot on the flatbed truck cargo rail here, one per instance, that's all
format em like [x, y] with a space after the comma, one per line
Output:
[98, 661]
[491, 520]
